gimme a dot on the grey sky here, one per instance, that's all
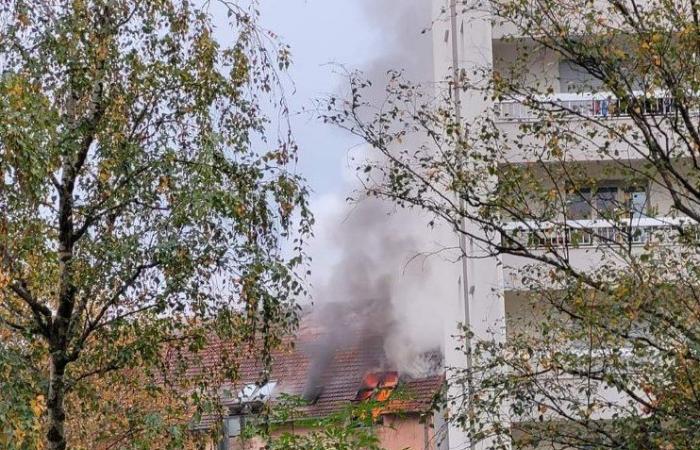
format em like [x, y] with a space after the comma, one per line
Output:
[370, 35]
[321, 33]
[360, 253]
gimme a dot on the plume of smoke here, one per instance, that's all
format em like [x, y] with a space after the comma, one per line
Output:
[404, 44]
[380, 283]
[383, 285]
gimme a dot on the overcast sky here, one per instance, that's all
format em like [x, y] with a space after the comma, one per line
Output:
[369, 35]
[322, 34]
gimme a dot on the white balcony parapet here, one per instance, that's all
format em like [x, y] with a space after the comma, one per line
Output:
[595, 233]
[600, 105]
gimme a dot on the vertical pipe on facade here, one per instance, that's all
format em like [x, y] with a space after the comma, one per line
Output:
[426, 433]
[457, 104]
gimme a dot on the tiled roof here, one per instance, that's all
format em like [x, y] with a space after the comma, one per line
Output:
[340, 377]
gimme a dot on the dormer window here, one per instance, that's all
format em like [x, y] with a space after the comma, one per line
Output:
[248, 403]
[233, 425]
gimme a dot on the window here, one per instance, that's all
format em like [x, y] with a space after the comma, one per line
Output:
[638, 203]
[234, 425]
[607, 201]
[249, 403]
[579, 205]
[574, 78]
[378, 385]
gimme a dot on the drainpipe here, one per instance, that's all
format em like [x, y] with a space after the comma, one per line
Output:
[457, 105]
[224, 442]
[426, 431]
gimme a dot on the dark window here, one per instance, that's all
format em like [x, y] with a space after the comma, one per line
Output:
[606, 201]
[579, 205]
[574, 78]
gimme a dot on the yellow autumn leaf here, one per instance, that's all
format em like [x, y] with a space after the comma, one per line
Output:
[619, 53]
[163, 184]
[102, 51]
[104, 175]
[18, 435]
[23, 19]
[37, 405]
[4, 279]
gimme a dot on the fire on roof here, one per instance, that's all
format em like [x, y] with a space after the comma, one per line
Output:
[377, 385]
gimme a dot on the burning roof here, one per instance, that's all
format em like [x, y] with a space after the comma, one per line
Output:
[354, 370]
[377, 386]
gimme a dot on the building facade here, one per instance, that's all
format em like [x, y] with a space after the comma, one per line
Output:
[493, 298]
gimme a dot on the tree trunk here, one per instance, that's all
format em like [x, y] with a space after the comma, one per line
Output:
[56, 434]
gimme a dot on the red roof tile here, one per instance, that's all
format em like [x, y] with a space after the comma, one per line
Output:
[341, 379]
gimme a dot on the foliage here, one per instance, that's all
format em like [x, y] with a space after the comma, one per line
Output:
[21, 419]
[142, 203]
[606, 353]
[290, 429]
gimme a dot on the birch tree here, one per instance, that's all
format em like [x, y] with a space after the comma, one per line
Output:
[142, 203]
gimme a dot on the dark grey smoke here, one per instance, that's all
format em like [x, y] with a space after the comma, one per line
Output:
[374, 290]
[359, 324]
[381, 294]
[355, 305]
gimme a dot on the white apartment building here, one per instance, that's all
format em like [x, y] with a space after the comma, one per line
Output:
[468, 42]
[492, 297]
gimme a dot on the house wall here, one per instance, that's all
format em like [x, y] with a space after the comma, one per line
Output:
[397, 432]
[493, 283]
[406, 432]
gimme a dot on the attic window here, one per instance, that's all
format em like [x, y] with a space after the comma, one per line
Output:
[233, 425]
[377, 386]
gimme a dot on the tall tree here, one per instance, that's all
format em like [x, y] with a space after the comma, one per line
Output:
[559, 188]
[141, 201]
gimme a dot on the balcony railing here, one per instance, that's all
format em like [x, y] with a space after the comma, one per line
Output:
[584, 105]
[600, 233]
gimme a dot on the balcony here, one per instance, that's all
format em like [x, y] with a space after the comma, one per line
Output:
[587, 243]
[581, 106]
[599, 233]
